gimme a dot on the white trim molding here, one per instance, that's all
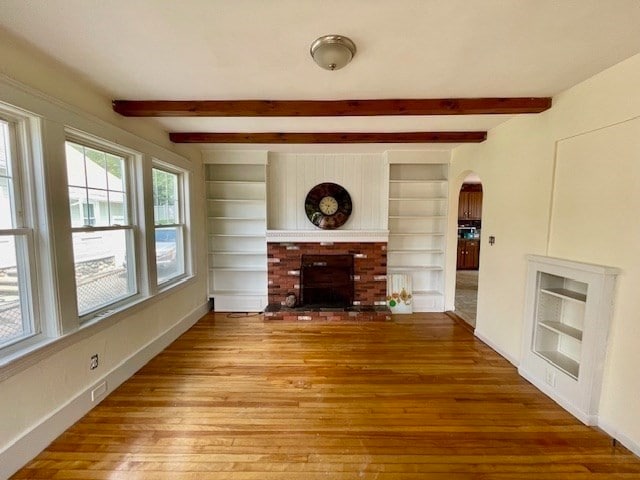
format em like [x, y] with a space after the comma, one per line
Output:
[328, 236]
[614, 433]
[485, 339]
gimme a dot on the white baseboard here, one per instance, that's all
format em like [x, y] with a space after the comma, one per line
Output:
[484, 339]
[620, 437]
[39, 437]
[553, 394]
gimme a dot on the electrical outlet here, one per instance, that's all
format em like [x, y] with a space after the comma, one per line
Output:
[550, 378]
[93, 364]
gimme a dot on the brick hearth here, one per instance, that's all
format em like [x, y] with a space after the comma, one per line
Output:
[370, 278]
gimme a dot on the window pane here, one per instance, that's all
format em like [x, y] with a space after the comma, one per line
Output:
[6, 204]
[14, 323]
[96, 168]
[77, 204]
[4, 149]
[99, 196]
[76, 174]
[166, 202]
[104, 272]
[7, 208]
[96, 211]
[117, 208]
[115, 167]
[169, 253]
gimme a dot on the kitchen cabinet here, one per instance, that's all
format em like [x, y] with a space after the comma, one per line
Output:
[470, 205]
[468, 254]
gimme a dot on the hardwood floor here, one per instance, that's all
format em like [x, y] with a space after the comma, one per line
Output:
[415, 398]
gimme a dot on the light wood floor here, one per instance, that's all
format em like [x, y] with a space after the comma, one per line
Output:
[415, 398]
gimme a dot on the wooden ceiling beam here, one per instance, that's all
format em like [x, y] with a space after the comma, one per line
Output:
[330, 108]
[329, 137]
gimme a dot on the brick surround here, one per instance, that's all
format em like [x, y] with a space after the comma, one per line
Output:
[370, 268]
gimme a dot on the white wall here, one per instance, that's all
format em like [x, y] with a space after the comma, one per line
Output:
[291, 176]
[564, 183]
[50, 390]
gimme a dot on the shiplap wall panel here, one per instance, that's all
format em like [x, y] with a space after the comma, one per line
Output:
[291, 176]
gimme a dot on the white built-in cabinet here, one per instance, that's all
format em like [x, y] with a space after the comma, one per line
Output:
[418, 196]
[236, 228]
[567, 314]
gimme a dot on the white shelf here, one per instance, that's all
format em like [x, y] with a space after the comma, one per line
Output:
[236, 182]
[238, 218]
[233, 252]
[564, 363]
[409, 268]
[565, 294]
[257, 268]
[428, 217]
[415, 234]
[415, 250]
[426, 292]
[236, 200]
[418, 199]
[247, 293]
[239, 235]
[437, 181]
[562, 329]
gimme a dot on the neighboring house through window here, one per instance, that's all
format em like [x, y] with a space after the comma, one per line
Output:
[67, 265]
[103, 245]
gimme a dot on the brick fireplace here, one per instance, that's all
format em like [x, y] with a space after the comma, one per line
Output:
[369, 280]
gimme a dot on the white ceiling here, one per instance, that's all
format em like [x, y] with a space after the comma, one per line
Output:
[259, 49]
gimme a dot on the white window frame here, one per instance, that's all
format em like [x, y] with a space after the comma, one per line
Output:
[132, 159]
[42, 127]
[23, 136]
[183, 188]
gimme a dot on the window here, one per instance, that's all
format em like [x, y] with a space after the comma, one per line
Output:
[169, 226]
[17, 315]
[68, 262]
[102, 231]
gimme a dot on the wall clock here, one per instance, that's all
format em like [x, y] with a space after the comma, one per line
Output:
[328, 205]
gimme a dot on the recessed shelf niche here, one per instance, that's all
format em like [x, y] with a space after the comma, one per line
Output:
[567, 315]
[417, 225]
[236, 226]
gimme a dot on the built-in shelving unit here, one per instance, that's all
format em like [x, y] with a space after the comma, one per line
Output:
[417, 226]
[236, 226]
[567, 319]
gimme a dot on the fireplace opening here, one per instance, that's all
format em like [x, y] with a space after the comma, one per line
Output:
[327, 281]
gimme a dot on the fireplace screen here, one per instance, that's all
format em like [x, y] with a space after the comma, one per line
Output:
[327, 281]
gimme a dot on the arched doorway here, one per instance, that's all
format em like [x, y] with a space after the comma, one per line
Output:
[468, 248]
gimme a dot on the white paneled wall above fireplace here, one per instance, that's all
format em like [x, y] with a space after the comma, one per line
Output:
[291, 176]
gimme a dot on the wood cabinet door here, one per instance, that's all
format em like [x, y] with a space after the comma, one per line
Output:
[461, 254]
[472, 260]
[463, 206]
[474, 205]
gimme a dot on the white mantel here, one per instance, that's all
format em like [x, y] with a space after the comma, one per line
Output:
[327, 235]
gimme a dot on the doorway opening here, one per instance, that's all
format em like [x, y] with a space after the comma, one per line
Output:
[468, 252]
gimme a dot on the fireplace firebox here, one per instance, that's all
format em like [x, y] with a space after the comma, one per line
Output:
[327, 281]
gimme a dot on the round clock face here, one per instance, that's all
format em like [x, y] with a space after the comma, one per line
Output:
[328, 205]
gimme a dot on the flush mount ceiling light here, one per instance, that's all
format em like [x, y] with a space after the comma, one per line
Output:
[333, 52]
